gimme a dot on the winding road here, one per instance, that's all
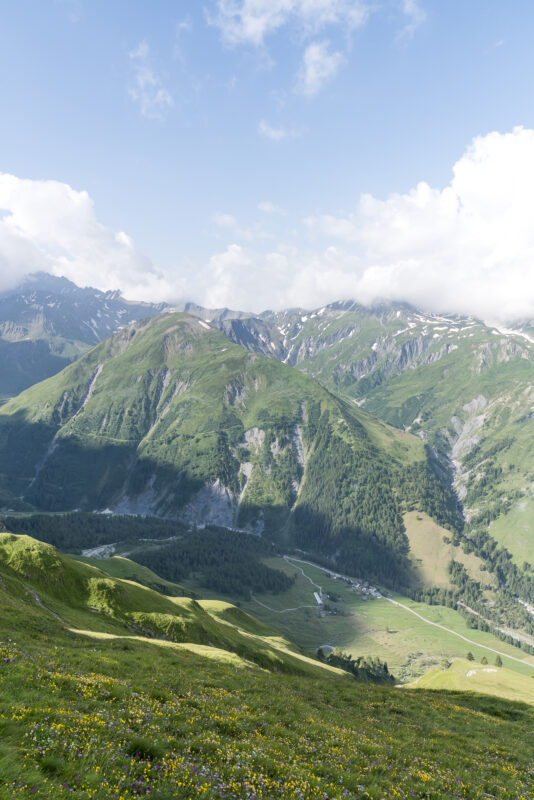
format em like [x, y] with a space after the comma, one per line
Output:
[289, 560]
[292, 561]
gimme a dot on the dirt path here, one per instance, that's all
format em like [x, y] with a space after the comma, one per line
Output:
[291, 561]
[276, 610]
[41, 604]
[454, 633]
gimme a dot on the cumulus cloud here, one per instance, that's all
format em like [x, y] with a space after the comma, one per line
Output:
[149, 93]
[47, 225]
[466, 248]
[243, 278]
[319, 66]
[251, 21]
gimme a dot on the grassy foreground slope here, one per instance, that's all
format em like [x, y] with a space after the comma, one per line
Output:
[114, 715]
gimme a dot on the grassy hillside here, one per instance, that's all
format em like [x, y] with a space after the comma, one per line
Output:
[80, 597]
[472, 676]
[168, 417]
[126, 569]
[108, 713]
[432, 549]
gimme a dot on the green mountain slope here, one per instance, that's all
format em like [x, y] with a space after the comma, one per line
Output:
[167, 417]
[464, 387]
[109, 713]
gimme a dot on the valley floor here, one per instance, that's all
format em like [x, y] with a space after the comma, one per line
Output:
[412, 637]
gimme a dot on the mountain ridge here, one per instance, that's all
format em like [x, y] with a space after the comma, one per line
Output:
[167, 417]
[46, 322]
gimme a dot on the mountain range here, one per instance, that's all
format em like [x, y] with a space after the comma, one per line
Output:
[360, 478]
[463, 387]
[325, 430]
[169, 418]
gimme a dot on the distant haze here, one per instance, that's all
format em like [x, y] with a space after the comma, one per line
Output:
[467, 247]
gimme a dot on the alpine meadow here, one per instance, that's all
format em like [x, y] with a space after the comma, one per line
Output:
[266, 400]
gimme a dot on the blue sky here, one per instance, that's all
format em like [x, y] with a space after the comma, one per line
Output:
[232, 140]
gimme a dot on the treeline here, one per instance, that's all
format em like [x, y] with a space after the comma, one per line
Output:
[352, 503]
[516, 580]
[221, 560]
[477, 454]
[504, 610]
[79, 531]
[485, 479]
[348, 505]
[501, 503]
[425, 486]
[367, 670]
[468, 589]
[467, 597]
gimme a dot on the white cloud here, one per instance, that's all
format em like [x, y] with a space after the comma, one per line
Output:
[153, 98]
[251, 21]
[415, 14]
[468, 247]
[276, 134]
[47, 225]
[319, 66]
[244, 278]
